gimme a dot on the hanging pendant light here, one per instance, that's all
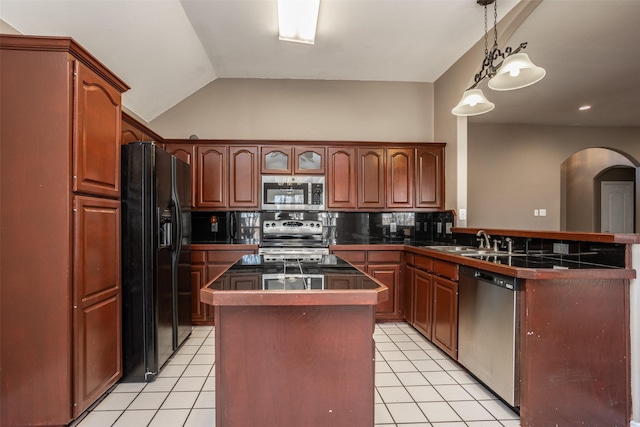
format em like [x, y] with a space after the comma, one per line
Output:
[514, 72]
[517, 71]
[473, 102]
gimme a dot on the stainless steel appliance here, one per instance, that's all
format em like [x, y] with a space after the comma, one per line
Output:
[293, 192]
[487, 330]
[156, 258]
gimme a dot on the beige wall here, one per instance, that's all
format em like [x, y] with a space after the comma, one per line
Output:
[514, 169]
[7, 29]
[303, 110]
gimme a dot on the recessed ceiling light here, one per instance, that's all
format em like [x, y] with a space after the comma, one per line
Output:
[584, 107]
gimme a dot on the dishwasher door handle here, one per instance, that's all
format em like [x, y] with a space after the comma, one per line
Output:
[483, 276]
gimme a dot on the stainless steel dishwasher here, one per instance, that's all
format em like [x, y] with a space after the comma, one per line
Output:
[487, 330]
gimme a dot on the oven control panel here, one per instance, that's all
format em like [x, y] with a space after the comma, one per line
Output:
[291, 226]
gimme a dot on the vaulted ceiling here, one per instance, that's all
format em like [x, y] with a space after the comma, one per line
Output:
[168, 49]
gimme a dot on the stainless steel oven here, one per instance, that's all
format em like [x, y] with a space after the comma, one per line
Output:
[292, 192]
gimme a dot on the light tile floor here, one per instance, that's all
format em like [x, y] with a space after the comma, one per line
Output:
[416, 386]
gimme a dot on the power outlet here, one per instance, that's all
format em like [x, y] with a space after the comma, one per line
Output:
[393, 227]
[561, 248]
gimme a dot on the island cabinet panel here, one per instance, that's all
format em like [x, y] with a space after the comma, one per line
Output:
[60, 335]
[429, 178]
[211, 172]
[244, 177]
[310, 365]
[400, 178]
[341, 178]
[207, 265]
[371, 178]
[575, 350]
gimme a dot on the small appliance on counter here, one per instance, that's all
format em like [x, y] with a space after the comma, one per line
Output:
[213, 227]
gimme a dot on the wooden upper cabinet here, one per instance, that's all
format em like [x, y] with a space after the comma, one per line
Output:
[96, 158]
[130, 133]
[182, 151]
[430, 178]
[341, 178]
[400, 178]
[276, 160]
[244, 177]
[308, 160]
[211, 176]
[371, 191]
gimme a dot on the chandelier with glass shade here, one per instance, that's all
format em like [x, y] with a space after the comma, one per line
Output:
[514, 71]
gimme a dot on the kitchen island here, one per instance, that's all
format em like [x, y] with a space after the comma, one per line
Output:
[294, 343]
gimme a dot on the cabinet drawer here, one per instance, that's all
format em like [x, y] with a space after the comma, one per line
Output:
[357, 257]
[423, 263]
[409, 258]
[225, 257]
[198, 257]
[445, 269]
[384, 257]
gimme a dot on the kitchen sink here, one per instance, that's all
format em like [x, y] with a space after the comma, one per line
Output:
[470, 251]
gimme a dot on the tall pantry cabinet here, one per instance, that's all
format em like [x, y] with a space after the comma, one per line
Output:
[60, 295]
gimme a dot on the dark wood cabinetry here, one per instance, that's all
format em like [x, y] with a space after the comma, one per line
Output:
[341, 178]
[400, 178]
[244, 179]
[435, 301]
[371, 178]
[211, 177]
[61, 318]
[207, 265]
[385, 266]
[308, 160]
[132, 131]
[429, 177]
[297, 159]
[182, 151]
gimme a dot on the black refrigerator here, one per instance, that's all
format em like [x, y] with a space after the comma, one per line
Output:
[156, 258]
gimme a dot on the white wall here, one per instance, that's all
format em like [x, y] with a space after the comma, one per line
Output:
[303, 110]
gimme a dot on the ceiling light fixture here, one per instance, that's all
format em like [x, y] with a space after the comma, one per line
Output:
[584, 107]
[515, 71]
[297, 20]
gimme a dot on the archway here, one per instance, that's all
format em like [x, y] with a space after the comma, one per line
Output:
[579, 207]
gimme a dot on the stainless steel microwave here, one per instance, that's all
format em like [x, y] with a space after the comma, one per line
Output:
[293, 192]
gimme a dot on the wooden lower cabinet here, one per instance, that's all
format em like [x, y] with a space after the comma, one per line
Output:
[435, 301]
[206, 265]
[386, 267]
[423, 301]
[445, 315]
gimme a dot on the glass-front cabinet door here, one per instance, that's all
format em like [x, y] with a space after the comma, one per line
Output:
[276, 160]
[309, 160]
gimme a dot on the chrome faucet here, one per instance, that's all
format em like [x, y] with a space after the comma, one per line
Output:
[509, 241]
[483, 235]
